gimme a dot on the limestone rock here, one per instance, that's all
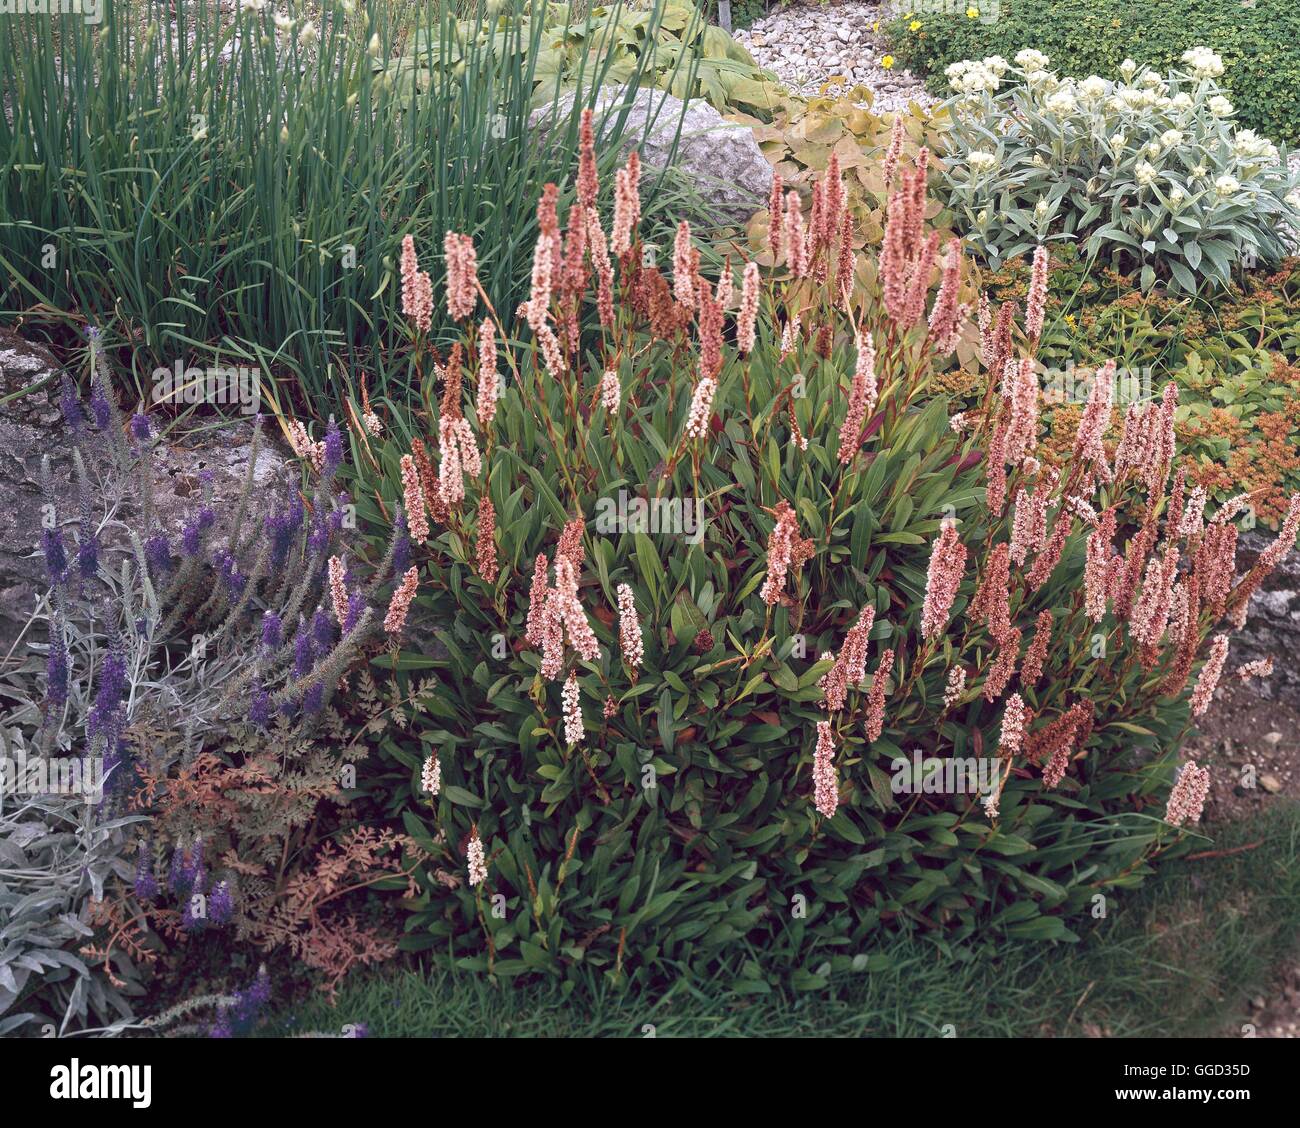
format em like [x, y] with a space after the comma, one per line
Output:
[721, 158]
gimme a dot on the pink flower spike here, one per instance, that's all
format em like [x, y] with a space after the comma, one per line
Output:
[947, 566]
[826, 793]
[1036, 303]
[1208, 681]
[400, 604]
[462, 275]
[629, 629]
[1187, 799]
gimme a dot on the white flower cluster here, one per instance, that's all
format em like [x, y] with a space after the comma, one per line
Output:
[1250, 148]
[1031, 61]
[1062, 102]
[971, 77]
[1093, 88]
[1227, 185]
[1203, 63]
[1160, 152]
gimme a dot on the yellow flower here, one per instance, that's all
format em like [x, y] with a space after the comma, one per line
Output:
[875, 26]
[915, 25]
[972, 13]
[887, 61]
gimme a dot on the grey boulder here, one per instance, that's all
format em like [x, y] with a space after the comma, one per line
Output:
[720, 158]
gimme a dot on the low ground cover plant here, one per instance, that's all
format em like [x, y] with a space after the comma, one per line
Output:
[803, 134]
[1232, 359]
[714, 588]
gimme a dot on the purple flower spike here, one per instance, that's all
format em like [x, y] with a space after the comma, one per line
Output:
[70, 405]
[194, 867]
[88, 556]
[272, 631]
[230, 573]
[140, 429]
[221, 1028]
[281, 528]
[56, 557]
[314, 699]
[146, 885]
[192, 533]
[106, 717]
[158, 554]
[322, 630]
[247, 1009]
[302, 654]
[221, 906]
[259, 712]
[356, 604]
[401, 547]
[99, 405]
[319, 538]
[176, 874]
[259, 994]
[333, 449]
[56, 668]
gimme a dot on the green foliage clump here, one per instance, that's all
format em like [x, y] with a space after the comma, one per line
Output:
[670, 46]
[1259, 42]
[631, 799]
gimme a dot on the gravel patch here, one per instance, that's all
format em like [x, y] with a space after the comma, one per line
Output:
[806, 46]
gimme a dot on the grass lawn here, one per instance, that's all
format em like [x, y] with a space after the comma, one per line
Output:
[1179, 957]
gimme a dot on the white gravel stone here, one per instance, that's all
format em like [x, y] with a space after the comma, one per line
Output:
[806, 45]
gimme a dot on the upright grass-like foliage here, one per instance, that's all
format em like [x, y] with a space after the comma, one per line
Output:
[772, 653]
[229, 189]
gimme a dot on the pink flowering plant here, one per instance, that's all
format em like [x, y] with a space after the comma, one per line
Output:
[739, 641]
